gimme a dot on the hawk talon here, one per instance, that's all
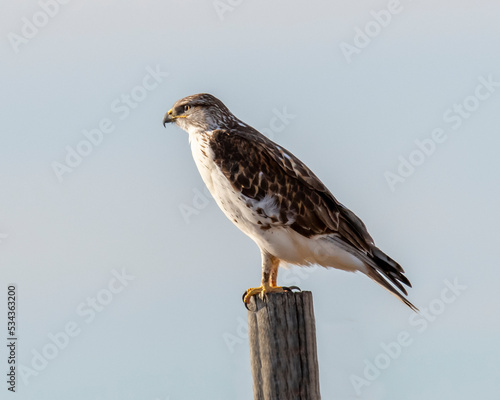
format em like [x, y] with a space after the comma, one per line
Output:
[243, 298]
[261, 291]
[246, 304]
[291, 288]
[286, 289]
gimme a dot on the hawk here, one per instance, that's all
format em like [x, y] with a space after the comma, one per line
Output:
[277, 201]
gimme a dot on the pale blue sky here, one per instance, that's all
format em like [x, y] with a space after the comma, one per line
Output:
[175, 331]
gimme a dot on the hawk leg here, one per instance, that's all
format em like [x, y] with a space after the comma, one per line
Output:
[269, 276]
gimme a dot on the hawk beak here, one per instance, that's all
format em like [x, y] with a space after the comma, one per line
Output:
[168, 117]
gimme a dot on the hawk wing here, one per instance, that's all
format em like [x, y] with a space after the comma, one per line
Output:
[258, 167]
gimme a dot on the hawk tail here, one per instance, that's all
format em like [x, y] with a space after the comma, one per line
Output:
[389, 274]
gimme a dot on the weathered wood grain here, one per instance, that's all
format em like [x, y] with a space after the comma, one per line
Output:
[283, 353]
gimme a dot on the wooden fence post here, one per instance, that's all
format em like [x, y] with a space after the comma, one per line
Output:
[283, 354]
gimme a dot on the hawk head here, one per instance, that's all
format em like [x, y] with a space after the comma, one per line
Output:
[200, 112]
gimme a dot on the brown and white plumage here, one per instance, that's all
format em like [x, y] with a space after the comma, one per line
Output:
[277, 200]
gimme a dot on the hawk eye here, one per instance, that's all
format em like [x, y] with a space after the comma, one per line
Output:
[186, 108]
